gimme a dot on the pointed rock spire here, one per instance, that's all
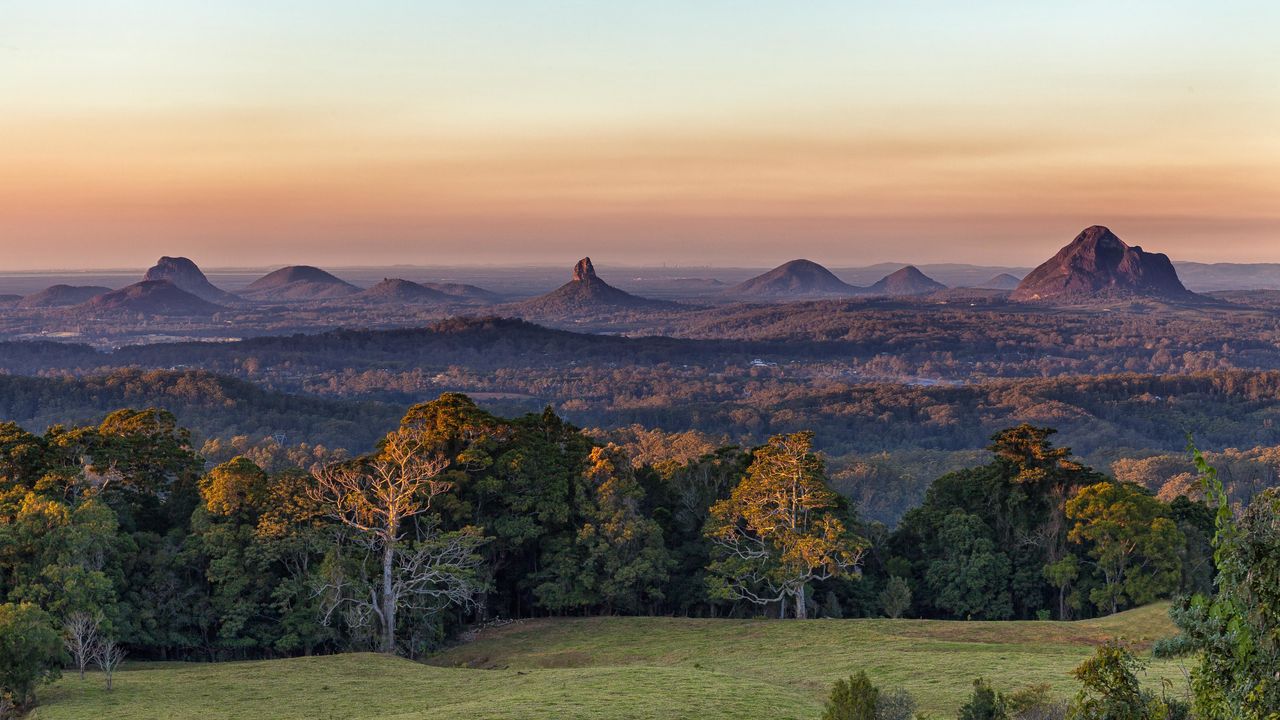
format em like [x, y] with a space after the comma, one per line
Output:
[583, 271]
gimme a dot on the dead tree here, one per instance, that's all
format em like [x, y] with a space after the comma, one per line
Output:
[377, 499]
[80, 638]
[109, 655]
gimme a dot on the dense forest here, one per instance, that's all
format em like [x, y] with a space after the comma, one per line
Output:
[122, 532]
[551, 507]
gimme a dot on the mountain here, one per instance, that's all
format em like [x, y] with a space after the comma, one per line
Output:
[395, 290]
[1003, 281]
[907, 281]
[299, 283]
[10, 300]
[949, 274]
[187, 276]
[461, 291]
[1097, 264]
[586, 292]
[795, 279]
[62, 296]
[150, 297]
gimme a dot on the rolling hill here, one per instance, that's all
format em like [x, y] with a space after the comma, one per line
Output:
[637, 668]
[298, 283]
[797, 279]
[149, 297]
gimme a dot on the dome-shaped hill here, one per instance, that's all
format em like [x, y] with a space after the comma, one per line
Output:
[298, 283]
[462, 291]
[62, 296]
[395, 290]
[907, 281]
[150, 297]
[1098, 264]
[796, 279]
[1003, 281]
[185, 274]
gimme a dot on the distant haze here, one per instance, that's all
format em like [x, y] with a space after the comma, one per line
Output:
[747, 134]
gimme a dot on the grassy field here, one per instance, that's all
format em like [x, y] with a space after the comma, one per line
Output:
[621, 668]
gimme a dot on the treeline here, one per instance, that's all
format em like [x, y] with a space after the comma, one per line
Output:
[184, 561]
[885, 442]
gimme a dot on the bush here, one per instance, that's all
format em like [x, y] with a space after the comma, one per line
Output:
[895, 705]
[30, 652]
[1110, 689]
[1035, 702]
[984, 704]
[852, 699]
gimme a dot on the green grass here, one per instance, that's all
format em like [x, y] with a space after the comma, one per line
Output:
[622, 668]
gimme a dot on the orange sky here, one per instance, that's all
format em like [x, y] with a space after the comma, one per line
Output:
[427, 134]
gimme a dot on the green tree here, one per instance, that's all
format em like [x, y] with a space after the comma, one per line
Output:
[852, 699]
[624, 561]
[1132, 540]
[1062, 575]
[831, 606]
[895, 599]
[971, 579]
[30, 652]
[1236, 633]
[1018, 498]
[780, 528]
[240, 569]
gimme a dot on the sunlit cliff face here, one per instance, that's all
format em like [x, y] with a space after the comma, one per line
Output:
[243, 135]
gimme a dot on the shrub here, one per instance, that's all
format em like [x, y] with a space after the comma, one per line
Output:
[1035, 702]
[895, 705]
[984, 704]
[852, 699]
[1109, 687]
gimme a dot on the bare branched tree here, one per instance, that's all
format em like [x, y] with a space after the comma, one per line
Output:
[376, 500]
[80, 638]
[108, 654]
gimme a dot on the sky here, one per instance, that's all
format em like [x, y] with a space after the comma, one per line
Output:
[264, 132]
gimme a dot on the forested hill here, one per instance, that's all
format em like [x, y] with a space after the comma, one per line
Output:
[471, 342]
[210, 405]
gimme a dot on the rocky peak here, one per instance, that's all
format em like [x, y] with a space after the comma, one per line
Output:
[1097, 263]
[584, 271]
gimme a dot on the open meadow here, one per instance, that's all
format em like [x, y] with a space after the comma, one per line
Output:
[634, 667]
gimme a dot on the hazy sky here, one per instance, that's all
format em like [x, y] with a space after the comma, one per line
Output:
[741, 133]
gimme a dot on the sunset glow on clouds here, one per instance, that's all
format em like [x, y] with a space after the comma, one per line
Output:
[734, 133]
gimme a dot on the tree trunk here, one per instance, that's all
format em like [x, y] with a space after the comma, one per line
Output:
[802, 612]
[388, 599]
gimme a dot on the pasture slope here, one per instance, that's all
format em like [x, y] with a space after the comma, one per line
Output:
[622, 668]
